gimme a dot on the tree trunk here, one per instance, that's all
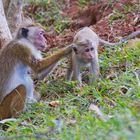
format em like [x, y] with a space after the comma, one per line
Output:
[6, 5]
[5, 34]
[13, 14]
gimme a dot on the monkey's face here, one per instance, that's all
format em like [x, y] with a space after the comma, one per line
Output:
[85, 52]
[36, 36]
[40, 41]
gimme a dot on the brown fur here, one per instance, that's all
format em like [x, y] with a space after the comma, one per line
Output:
[13, 103]
[46, 62]
[10, 55]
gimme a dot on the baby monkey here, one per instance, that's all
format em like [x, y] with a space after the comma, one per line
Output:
[84, 54]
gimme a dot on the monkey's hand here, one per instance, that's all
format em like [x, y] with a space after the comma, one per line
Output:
[67, 50]
[34, 60]
[73, 47]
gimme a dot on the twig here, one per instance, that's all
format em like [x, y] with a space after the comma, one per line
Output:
[98, 112]
[137, 78]
[7, 120]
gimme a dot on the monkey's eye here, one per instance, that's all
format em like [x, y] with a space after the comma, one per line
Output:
[42, 33]
[91, 49]
[87, 50]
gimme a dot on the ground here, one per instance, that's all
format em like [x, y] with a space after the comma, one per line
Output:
[107, 110]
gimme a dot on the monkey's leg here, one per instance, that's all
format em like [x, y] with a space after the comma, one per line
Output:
[48, 61]
[13, 103]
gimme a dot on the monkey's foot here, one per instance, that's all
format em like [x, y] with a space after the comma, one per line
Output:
[13, 104]
[36, 97]
[31, 100]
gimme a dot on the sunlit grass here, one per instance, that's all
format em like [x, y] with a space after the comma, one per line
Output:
[72, 118]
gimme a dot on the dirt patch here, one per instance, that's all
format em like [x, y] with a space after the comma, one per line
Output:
[111, 21]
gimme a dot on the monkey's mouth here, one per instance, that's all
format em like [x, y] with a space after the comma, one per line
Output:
[43, 48]
[87, 60]
[90, 59]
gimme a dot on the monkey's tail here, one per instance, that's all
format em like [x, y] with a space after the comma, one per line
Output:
[132, 35]
[106, 43]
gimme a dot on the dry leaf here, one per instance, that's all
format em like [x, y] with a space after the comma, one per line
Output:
[54, 104]
[98, 112]
[123, 90]
[72, 121]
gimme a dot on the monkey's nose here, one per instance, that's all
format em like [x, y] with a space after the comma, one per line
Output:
[91, 58]
[45, 48]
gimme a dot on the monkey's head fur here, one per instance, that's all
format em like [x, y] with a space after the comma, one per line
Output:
[35, 35]
[84, 50]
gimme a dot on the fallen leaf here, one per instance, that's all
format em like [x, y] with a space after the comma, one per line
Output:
[123, 90]
[72, 121]
[98, 112]
[54, 104]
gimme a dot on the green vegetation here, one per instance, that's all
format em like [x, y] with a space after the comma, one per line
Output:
[117, 94]
[49, 13]
[72, 118]
[83, 3]
[116, 15]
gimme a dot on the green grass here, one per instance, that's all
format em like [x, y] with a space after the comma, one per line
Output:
[72, 119]
[49, 13]
[122, 109]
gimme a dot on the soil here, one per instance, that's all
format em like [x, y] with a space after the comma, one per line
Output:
[111, 21]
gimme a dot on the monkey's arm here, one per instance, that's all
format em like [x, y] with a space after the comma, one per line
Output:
[46, 72]
[94, 71]
[69, 70]
[76, 70]
[48, 61]
[24, 54]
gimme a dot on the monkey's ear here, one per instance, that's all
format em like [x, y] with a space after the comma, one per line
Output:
[74, 47]
[24, 32]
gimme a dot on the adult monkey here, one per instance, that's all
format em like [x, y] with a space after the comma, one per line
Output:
[16, 59]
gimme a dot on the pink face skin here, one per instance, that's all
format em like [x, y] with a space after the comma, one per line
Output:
[40, 41]
[89, 53]
[86, 52]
